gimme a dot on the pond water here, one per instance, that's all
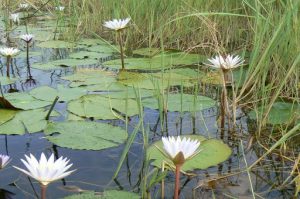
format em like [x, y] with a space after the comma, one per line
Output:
[95, 168]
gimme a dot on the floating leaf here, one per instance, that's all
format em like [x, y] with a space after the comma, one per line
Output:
[90, 77]
[280, 113]
[103, 49]
[55, 44]
[99, 107]
[25, 101]
[157, 62]
[6, 115]
[89, 55]
[85, 135]
[212, 152]
[64, 63]
[181, 102]
[7, 81]
[108, 194]
[25, 121]
[147, 52]
[47, 93]
[154, 80]
[31, 54]
[91, 42]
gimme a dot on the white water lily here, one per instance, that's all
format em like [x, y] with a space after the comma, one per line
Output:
[26, 37]
[15, 17]
[173, 146]
[4, 160]
[46, 171]
[117, 24]
[23, 5]
[9, 51]
[60, 8]
[228, 62]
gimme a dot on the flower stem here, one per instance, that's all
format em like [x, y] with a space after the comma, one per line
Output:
[7, 66]
[43, 191]
[121, 49]
[177, 181]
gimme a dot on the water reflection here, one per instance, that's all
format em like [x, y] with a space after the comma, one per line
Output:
[5, 194]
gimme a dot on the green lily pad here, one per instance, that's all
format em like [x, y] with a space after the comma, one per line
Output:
[100, 107]
[280, 113]
[187, 72]
[31, 54]
[91, 42]
[55, 44]
[109, 49]
[26, 121]
[157, 62]
[89, 55]
[108, 194]
[147, 52]
[6, 115]
[25, 101]
[155, 80]
[47, 93]
[85, 135]
[129, 93]
[107, 86]
[90, 77]
[212, 153]
[64, 63]
[7, 81]
[184, 102]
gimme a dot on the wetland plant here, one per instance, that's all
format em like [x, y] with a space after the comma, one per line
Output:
[4, 160]
[8, 53]
[27, 38]
[46, 171]
[15, 17]
[226, 64]
[118, 25]
[178, 151]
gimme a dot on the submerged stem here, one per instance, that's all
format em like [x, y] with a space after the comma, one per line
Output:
[7, 66]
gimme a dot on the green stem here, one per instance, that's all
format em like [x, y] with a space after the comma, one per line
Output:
[121, 48]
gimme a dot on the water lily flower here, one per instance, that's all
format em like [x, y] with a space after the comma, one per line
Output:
[15, 17]
[117, 24]
[226, 63]
[60, 8]
[179, 150]
[46, 171]
[4, 160]
[27, 37]
[23, 5]
[9, 52]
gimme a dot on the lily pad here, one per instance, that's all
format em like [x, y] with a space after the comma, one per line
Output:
[154, 80]
[212, 152]
[181, 102]
[25, 101]
[147, 52]
[25, 121]
[64, 63]
[47, 93]
[90, 77]
[89, 55]
[280, 113]
[7, 81]
[108, 194]
[91, 42]
[31, 54]
[6, 115]
[103, 49]
[55, 44]
[157, 62]
[100, 107]
[85, 135]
